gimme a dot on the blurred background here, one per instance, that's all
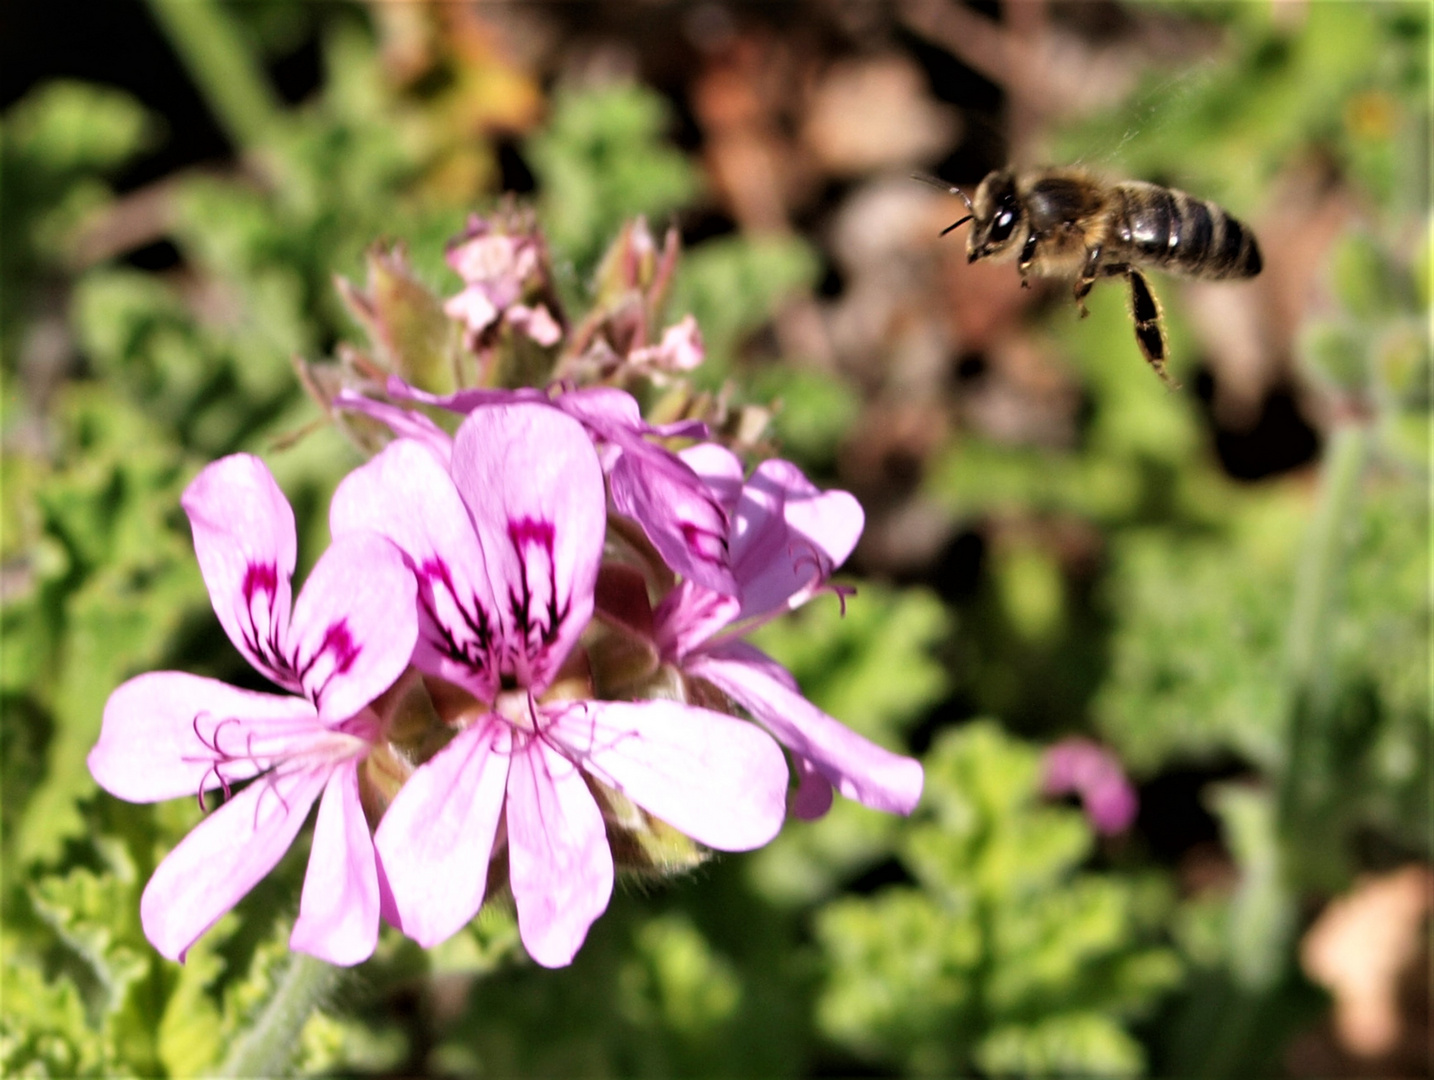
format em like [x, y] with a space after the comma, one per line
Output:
[1164, 653]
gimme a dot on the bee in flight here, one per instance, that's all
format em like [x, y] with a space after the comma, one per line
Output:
[1066, 223]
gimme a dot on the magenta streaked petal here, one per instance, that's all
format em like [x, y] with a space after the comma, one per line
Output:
[354, 625]
[856, 766]
[532, 483]
[338, 910]
[405, 495]
[719, 469]
[813, 795]
[244, 540]
[404, 423]
[718, 779]
[677, 512]
[167, 734]
[688, 615]
[560, 866]
[224, 856]
[436, 837]
[788, 535]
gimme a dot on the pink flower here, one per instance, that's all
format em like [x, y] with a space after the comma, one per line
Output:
[680, 349]
[1077, 766]
[649, 484]
[505, 541]
[166, 734]
[497, 268]
[786, 539]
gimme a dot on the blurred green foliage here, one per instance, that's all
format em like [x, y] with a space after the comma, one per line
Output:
[1002, 956]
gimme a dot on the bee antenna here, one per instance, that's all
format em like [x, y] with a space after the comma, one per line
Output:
[954, 190]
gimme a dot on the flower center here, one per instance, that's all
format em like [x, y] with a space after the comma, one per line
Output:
[516, 707]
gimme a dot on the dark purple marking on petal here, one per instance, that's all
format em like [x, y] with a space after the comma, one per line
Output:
[526, 534]
[340, 646]
[261, 583]
[475, 653]
[707, 545]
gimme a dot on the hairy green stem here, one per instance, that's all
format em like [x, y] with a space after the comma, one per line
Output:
[223, 67]
[1325, 544]
[267, 1048]
[1312, 620]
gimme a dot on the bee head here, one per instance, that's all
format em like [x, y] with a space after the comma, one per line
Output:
[997, 214]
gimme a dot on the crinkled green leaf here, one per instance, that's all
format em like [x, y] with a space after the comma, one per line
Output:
[1009, 956]
[1072, 1044]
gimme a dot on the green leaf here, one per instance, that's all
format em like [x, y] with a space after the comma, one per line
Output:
[67, 126]
[600, 160]
[43, 1028]
[1074, 1044]
[1008, 957]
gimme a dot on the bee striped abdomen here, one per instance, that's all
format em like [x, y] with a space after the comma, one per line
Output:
[1167, 228]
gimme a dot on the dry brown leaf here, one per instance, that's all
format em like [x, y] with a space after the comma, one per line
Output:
[1360, 946]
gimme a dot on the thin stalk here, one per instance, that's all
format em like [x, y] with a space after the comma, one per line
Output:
[268, 1047]
[1312, 622]
[223, 67]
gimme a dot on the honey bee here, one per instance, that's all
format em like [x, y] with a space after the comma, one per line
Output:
[1067, 223]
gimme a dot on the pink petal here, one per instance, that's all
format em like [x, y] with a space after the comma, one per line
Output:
[338, 911]
[436, 837]
[832, 520]
[462, 401]
[718, 779]
[405, 495]
[681, 429]
[224, 857]
[688, 615]
[559, 863]
[164, 733]
[604, 410]
[244, 540]
[682, 348]
[532, 483]
[472, 307]
[857, 767]
[404, 423]
[354, 625]
[656, 489]
[536, 322]
[789, 535]
[719, 469]
[678, 513]
[813, 796]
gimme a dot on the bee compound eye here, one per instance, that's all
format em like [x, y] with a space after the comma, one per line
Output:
[1001, 227]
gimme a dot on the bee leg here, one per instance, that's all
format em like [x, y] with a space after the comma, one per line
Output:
[1149, 329]
[1087, 278]
[1028, 256]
